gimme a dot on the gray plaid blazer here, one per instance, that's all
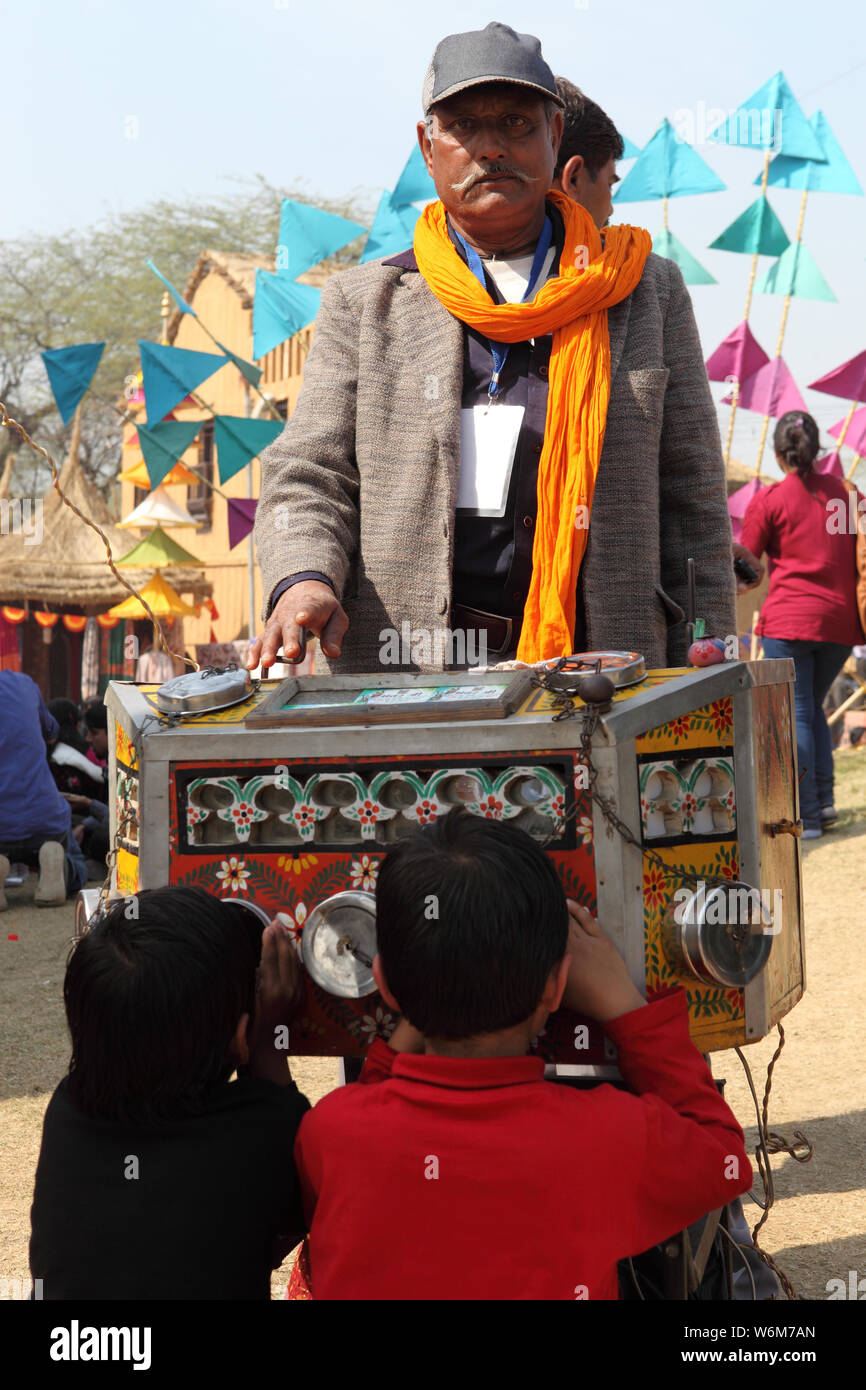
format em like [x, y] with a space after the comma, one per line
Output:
[361, 484]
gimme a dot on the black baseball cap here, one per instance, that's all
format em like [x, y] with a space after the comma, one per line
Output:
[494, 54]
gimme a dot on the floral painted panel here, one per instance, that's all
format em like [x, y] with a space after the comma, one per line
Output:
[717, 1014]
[295, 879]
[710, 726]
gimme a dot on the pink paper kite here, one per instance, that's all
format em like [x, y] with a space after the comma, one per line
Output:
[770, 391]
[739, 355]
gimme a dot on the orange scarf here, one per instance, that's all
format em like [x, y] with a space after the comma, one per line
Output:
[573, 307]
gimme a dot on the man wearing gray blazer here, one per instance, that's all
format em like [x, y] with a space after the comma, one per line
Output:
[358, 529]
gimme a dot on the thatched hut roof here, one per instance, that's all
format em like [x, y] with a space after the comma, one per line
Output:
[67, 568]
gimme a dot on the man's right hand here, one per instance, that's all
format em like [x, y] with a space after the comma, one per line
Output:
[310, 606]
[599, 985]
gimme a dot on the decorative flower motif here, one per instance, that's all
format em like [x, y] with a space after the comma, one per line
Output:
[557, 806]
[426, 810]
[296, 863]
[363, 872]
[295, 921]
[729, 800]
[194, 814]
[644, 809]
[305, 816]
[491, 808]
[368, 812]
[243, 813]
[689, 808]
[654, 886]
[680, 726]
[584, 830]
[380, 1024]
[233, 875]
[720, 715]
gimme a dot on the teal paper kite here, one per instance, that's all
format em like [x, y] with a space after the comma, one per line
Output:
[393, 229]
[309, 235]
[176, 295]
[239, 439]
[414, 184]
[70, 372]
[834, 176]
[667, 168]
[281, 308]
[164, 445]
[170, 374]
[251, 373]
[757, 230]
[796, 273]
[630, 149]
[248, 370]
[771, 119]
[665, 244]
[847, 381]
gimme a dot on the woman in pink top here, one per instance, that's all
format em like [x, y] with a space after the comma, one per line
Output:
[806, 525]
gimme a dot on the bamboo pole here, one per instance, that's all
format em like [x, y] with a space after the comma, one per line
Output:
[665, 213]
[735, 394]
[853, 468]
[798, 241]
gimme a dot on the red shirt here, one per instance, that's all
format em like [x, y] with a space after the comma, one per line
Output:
[452, 1178]
[807, 528]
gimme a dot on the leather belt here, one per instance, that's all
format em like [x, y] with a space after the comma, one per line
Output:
[503, 634]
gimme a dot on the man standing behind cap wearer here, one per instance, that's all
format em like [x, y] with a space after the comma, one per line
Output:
[469, 405]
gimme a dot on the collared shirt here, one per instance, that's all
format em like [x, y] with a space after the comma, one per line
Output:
[456, 1178]
[493, 555]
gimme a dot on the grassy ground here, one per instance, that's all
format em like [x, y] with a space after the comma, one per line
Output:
[817, 1229]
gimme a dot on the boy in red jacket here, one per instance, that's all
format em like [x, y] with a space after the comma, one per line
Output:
[453, 1170]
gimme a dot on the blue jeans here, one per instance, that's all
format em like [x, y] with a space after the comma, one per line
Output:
[816, 664]
[27, 852]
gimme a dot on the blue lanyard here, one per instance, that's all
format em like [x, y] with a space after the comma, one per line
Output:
[500, 350]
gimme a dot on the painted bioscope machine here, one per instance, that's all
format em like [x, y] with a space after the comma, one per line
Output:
[666, 799]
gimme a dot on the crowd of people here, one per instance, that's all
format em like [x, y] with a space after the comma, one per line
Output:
[53, 789]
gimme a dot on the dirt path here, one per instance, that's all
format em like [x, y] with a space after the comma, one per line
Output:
[817, 1229]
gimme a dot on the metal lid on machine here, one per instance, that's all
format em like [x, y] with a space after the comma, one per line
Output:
[621, 668]
[339, 943]
[200, 692]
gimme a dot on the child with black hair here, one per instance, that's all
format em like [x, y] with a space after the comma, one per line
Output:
[158, 1178]
[453, 1169]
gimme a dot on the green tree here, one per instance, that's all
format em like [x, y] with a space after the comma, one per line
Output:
[93, 285]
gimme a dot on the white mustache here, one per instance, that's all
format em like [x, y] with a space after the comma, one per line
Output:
[473, 177]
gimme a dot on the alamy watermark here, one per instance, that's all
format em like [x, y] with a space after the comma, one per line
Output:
[22, 516]
[756, 126]
[441, 646]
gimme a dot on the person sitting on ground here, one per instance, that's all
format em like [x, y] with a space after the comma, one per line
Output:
[96, 729]
[158, 1177]
[71, 767]
[470, 1175]
[34, 819]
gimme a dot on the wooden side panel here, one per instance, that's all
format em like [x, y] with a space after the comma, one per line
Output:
[776, 798]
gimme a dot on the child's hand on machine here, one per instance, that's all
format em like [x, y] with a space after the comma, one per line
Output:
[279, 994]
[598, 984]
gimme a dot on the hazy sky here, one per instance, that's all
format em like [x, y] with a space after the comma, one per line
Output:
[109, 105]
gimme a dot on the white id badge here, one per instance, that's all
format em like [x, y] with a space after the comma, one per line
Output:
[488, 443]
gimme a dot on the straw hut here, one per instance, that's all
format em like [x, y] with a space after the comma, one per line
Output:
[55, 563]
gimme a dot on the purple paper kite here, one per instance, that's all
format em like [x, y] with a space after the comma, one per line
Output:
[739, 355]
[241, 513]
[847, 381]
[855, 435]
[770, 391]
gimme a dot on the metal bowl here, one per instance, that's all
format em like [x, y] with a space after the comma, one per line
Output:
[200, 692]
[339, 942]
[622, 668]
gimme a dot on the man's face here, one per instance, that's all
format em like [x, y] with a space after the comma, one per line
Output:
[491, 154]
[595, 194]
